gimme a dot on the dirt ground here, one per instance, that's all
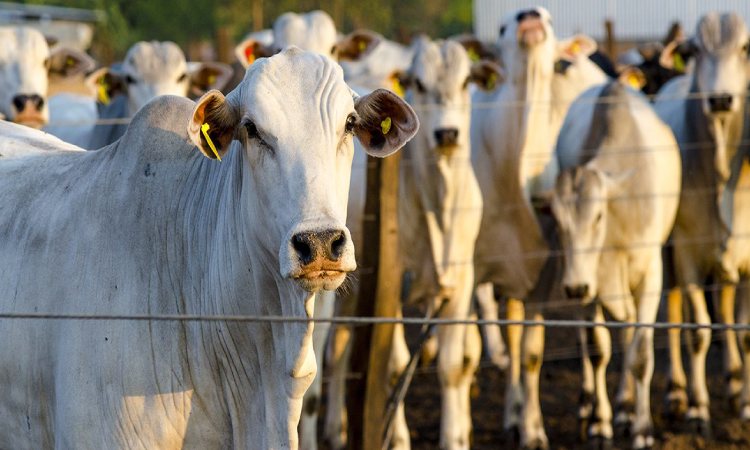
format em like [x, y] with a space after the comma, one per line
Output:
[560, 387]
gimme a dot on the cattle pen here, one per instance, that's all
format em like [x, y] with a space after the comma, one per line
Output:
[300, 206]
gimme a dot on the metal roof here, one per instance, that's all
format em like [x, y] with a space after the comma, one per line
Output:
[18, 13]
[634, 20]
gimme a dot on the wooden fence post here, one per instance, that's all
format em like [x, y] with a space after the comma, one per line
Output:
[379, 296]
[610, 39]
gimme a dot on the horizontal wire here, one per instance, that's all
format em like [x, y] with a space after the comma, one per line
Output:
[371, 321]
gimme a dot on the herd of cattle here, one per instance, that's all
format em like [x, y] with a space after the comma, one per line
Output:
[530, 168]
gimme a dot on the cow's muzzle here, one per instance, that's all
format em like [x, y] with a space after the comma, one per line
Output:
[29, 110]
[530, 29]
[321, 259]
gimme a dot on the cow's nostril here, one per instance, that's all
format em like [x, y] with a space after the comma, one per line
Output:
[577, 292]
[337, 246]
[446, 136]
[301, 244]
[720, 103]
[37, 101]
[19, 101]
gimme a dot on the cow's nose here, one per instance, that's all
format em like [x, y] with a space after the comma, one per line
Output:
[21, 101]
[446, 137]
[577, 291]
[311, 246]
[720, 103]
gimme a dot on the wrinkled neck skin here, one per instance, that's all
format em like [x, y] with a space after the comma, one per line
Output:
[264, 368]
[441, 177]
[725, 136]
[532, 83]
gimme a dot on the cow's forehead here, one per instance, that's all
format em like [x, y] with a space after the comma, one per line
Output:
[153, 60]
[581, 190]
[22, 42]
[510, 20]
[717, 33]
[444, 64]
[314, 31]
[295, 88]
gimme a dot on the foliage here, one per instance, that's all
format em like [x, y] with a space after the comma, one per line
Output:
[186, 21]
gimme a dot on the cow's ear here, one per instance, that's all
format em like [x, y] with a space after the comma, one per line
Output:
[477, 50]
[251, 49]
[213, 124]
[486, 74]
[633, 77]
[356, 45]
[51, 40]
[105, 84]
[386, 122]
[542, 201]
[579, 45]
[206, 76]
[67, 61]
[677, 53]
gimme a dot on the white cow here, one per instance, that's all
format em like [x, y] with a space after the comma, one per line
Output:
[26, 65]
[708, 129]
[513, 156]
[149, 69]
[154, 224]
[615, 203]
[18, 140]
[440, 207]
[376, 69]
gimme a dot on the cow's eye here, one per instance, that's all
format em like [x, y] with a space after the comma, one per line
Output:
[502, 30]
[746, 48]
[598, 218]
[420, 86]
[130, 80]
[351, 122]
[182, 78]
[46, 63]
[252, 130]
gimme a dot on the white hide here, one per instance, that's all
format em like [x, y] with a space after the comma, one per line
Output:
[149, 225]
[24, 62]
[615, 202]
[20, 141]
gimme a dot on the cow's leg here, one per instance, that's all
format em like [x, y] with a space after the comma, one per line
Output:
[698, 413]
[743, 297]
[493, 338]
[514, 390]
[533, 435]
[732, 359]
[640, 356]
[456, 366]
[586, 400]
[308, 424]
[335, 425]
[625, 403]
[677, 389]
[600, 429]
[430, 347]
[397, 362]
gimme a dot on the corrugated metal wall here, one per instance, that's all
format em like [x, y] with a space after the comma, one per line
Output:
[634, 20]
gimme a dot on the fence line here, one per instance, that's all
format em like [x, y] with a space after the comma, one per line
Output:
[359, 321]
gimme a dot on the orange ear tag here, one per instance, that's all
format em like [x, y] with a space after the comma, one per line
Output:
[249, 54]
[575, 48]
[634, 82]
[396, 86]
[204, 128]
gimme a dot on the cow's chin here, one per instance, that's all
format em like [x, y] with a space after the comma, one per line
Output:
[446, 151]
[316, 280]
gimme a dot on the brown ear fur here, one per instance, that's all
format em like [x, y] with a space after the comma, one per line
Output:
[376, 107]
[357, 44]
[222, 119]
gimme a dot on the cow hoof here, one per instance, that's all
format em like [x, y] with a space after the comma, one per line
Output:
[599, 443]
[677, 405]
[643, 442]
[700, 427]
[513, 434]
[501, 361]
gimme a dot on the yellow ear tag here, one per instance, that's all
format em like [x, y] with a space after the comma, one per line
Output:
[385, 125]
[211, 80]
[575, 48]
[679, 63]
[396, 87]
[204, 128]
[70, 62]
[473, 55]
[102, 92]
[362, 46]
[634, 82]
[491, 81]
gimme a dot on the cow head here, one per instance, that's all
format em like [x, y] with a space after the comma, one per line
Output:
[292, 121]
[24, 65]
[438, 83]
[721, 48]
[156, 68]
[580, 206]
[525, 37]
[314, 32]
